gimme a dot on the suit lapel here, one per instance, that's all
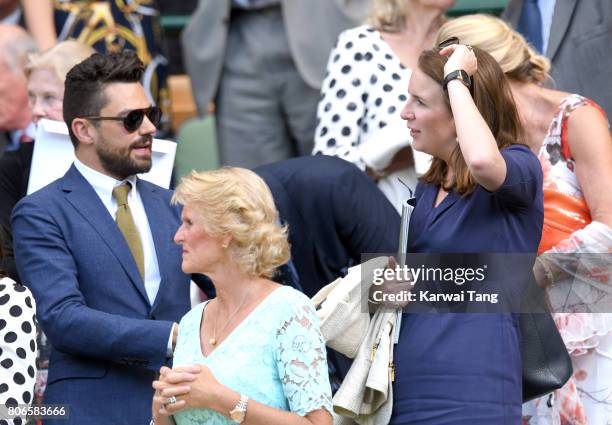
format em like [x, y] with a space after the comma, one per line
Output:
[161, 229]
[86, 202]
[561, 18]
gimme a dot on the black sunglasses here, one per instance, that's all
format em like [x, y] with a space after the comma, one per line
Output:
[133, 120]
[448, 42]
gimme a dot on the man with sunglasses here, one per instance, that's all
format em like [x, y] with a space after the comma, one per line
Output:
[96, 247]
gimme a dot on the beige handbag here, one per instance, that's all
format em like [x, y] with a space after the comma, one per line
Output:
[366, 394]
[344, 322]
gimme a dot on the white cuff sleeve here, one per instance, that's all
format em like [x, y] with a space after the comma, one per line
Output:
[170, 351]
[378, 151]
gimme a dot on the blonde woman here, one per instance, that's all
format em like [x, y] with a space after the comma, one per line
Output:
[365, 89]
[570, 135]
[255, 351]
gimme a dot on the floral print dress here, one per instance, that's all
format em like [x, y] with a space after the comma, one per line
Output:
[581, 301]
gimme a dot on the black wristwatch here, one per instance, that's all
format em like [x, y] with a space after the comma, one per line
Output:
[460, 75]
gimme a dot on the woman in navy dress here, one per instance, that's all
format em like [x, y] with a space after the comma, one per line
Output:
[482, 194]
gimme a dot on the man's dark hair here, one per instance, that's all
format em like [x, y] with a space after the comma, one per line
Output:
[85, 83]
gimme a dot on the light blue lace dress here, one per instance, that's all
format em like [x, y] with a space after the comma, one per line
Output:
[276, 356]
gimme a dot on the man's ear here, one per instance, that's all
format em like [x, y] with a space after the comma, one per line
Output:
[83, 130]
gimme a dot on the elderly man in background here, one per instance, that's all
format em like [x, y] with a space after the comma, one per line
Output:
[262, 62]
[15, 45]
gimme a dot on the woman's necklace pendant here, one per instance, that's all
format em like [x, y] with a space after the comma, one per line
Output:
[213, 341]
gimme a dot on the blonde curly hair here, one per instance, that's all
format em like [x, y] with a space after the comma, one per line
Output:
[236, 202]
[516, 58]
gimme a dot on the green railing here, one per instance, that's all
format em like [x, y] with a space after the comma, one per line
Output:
[465, 7]
[175, 23]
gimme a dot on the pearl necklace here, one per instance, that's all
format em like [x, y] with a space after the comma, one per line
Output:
[213, 340]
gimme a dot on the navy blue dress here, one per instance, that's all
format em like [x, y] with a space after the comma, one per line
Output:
[455, 369]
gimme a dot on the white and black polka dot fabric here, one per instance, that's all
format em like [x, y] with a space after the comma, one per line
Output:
[17, 347]
[364, 90]
[362, 96]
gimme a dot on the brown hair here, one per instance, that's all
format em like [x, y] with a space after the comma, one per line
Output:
[492, 97]
[85, 83]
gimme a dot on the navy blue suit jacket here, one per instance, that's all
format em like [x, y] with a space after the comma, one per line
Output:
[108, 341]
[335, 214]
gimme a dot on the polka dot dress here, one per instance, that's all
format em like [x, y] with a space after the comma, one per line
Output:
[362, 96]
[17, 346]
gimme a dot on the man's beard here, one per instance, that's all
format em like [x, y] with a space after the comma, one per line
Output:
[118, 162]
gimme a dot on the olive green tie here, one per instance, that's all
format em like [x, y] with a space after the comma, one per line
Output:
[125, 221]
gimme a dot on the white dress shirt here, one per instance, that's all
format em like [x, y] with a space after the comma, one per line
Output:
[104, 185]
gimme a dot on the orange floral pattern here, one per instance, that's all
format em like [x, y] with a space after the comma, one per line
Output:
[587, 397]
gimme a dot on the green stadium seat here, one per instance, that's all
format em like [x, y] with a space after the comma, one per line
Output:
[196, 147]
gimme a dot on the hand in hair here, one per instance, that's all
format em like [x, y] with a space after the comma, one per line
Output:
[459, 57]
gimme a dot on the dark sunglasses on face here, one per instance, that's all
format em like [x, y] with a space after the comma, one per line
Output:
[133, 119]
